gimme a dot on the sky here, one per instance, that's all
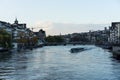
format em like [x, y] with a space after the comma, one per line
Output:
[61, 16]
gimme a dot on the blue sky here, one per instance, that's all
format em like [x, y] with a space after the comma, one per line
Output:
[48, 13]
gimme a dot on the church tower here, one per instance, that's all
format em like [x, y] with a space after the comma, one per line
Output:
[16, 21]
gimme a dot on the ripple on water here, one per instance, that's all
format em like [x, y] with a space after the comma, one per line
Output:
[57, 63]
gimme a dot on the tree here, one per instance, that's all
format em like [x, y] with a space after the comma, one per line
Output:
[54, 39]
[5, 39]
[34, 40]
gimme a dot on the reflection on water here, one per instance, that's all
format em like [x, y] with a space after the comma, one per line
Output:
[57, 63]
[4, 56]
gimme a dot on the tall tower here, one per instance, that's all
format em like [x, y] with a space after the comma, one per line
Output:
[16, 21]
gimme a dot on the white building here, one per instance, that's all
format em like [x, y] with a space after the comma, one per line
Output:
[6, 26]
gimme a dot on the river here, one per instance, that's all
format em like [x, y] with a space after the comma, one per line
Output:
[57, 63]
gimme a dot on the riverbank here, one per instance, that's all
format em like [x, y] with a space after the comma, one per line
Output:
[114, 49]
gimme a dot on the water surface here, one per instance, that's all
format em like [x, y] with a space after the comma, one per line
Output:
[57, 63]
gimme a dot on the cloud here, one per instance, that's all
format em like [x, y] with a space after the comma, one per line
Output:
[66, 28]
[46, 25]
[52, 28]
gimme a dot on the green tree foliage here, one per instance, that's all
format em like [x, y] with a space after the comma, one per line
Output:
[54, 39]
[79, 38]
[5, 39]
[34, 40]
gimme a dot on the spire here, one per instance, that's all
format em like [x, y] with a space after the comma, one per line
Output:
[16, 21]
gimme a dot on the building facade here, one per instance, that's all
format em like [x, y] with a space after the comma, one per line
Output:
[114, 37]
[22, 37]
[41, 34]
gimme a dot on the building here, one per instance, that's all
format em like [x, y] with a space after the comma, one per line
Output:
[6, 26]
[19, 33]
[114, 37]
[17, 25]
[41, 34]
[22, 37]
[99, 37]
